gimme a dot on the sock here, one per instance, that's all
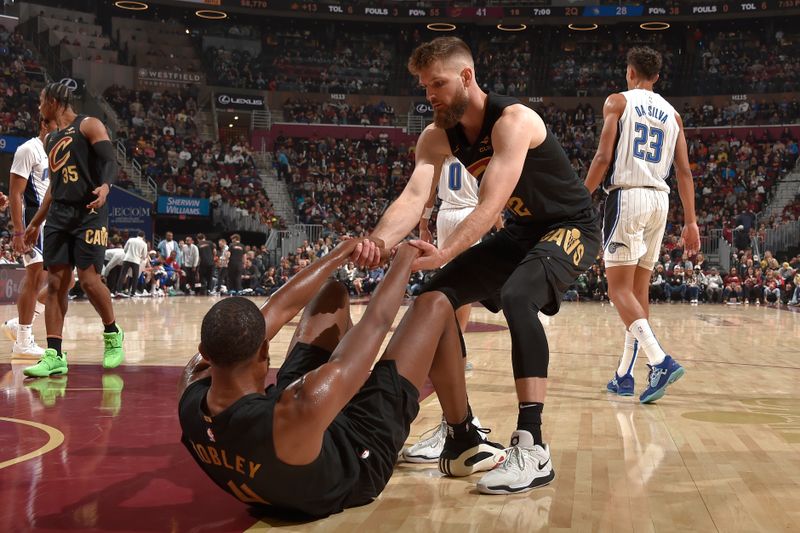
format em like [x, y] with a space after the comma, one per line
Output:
[629, 354]
[647, 341]
[111, 328]
[54, 343]
[462, 428]
[530, 419]
[38, 310]
[23, 335]
[12, 322]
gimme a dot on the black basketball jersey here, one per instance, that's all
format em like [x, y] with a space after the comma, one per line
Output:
[548, 189]
[74, 172]
[206, 252]
[236, 450]
[236, 261]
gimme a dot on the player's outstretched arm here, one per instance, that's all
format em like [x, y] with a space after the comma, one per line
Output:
[690, 233]
[309, 405]
[612, 111]
[302, 287]
[405, 212]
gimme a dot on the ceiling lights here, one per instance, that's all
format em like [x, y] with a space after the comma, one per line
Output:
[131, 5]
[441, 26]
[583, 27]
[654, 26]
[211, 14]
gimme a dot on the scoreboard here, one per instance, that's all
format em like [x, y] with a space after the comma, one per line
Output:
[763, 7]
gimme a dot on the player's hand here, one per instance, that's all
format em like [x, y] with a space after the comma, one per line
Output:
[430, 259]
[368, 253]
[690, 236]
[405, 252]
[101, 192]
[18, 244]
[31, 234]
[3, 201]
[425, 234]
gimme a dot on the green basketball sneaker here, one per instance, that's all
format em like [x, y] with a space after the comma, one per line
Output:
[112, 353]
[49, 364]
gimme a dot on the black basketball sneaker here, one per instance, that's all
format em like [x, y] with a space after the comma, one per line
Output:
[469, 453]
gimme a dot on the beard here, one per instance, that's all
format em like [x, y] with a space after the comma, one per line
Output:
[449, 116]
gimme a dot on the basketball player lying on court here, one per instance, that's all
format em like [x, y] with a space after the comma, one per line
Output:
[327, 435]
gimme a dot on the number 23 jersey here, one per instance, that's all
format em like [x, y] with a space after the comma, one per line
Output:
[645, 143]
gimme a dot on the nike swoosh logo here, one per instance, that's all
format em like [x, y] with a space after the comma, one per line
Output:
[542, 465]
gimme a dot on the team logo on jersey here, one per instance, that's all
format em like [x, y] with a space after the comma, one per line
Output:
[569, 239]
[210, 435]
[59, 154]
[479, 167]
[614, 246]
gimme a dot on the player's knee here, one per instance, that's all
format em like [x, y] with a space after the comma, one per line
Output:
[433, 302]
[516, 299]
[334, 293]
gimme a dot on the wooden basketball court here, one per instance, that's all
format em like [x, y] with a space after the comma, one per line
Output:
[97, 450]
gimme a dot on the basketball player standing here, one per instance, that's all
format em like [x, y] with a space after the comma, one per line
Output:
[642, 134]
[552, 237]
[82, 167]
[28, 185]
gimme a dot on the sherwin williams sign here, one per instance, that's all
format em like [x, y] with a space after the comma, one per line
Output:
[182, 206]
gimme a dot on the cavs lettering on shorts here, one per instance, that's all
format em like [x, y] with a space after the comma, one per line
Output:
[97, 237]
[570, 240]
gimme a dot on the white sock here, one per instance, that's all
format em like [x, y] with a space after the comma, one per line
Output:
[38, 310]
[24, 334]
[13, 323]
[647, 341]
[629, 354]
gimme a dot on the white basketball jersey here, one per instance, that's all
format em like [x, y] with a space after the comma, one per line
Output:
[30, 162]
[648, 132]
[457, 187]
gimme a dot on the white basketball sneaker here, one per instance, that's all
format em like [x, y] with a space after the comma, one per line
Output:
[9, 327]
[526, 467]
[431, 444]
[28, 350]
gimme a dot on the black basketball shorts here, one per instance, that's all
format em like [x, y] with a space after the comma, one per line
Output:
[378, 417]
[75, 236]
[564, 249]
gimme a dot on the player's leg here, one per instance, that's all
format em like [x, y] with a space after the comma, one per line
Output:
[664, 370]
[27, 309]
[322, 325]
[538, 283]
[53, 360]
[462, 316]
[89, 253]
[428, 343]
[475, 275]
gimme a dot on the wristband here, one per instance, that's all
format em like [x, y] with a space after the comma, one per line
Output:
[427, 212]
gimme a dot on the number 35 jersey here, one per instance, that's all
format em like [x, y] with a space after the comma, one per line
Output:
[74, 173]
[645, 144]
[548, 189]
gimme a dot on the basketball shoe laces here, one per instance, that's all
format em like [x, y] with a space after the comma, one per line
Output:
[516, 458]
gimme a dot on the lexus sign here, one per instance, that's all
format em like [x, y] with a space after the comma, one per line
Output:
[240, 101]
[423, 108]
